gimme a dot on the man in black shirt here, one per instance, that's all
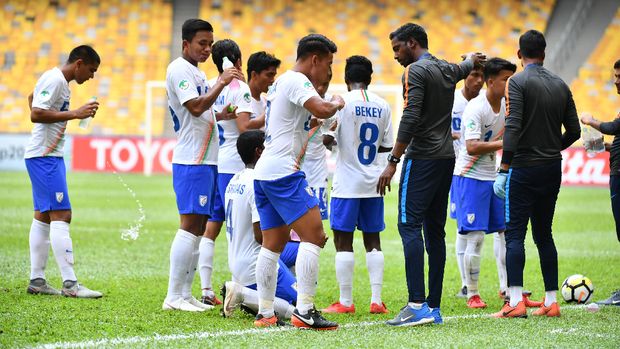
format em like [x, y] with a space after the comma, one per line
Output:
[425, 132]
[612, 128]
[538, 104]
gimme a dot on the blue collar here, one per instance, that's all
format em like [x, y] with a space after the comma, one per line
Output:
[425, 56]
[533, 65]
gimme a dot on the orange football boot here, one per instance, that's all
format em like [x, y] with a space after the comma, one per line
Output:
[512, 312]
[339, 308]
[551, 311]
[376, 308]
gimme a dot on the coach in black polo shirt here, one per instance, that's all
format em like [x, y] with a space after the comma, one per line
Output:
[538, 103]
[425, 132]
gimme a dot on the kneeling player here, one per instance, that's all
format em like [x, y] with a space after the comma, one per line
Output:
[245, 236]
[365, 124]
[478, 209]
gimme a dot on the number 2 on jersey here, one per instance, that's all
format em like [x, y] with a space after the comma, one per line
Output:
[367, 142]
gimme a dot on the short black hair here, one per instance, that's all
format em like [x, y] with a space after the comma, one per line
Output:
[260, 61]
[85, 53]
[225, 48]
[193, 26]
[532, 44]
[358, 69]
[617, 64]
[495, 65]
[247, 143]
[315, 44]
[411, 31]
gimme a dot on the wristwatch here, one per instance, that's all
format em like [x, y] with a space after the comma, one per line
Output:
[393, 159]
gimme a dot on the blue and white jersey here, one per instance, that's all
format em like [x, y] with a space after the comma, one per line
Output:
[229, 160]
[197, 137]
[364, 125]
[287, 125]
[480, 122]
[51, 93]
[457, 114]
[241, 214]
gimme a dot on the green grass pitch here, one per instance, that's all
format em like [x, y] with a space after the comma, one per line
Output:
[134, 274]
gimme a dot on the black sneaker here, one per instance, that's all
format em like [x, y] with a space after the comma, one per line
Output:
[613, 300]
[312, 320]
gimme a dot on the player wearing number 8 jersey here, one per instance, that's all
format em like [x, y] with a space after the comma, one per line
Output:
[365, 130]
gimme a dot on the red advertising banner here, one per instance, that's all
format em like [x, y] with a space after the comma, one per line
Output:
[121, 154]
[127, 154]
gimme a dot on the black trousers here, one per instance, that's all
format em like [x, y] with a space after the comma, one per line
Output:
[614, 188]
[423, 201]
[531, 194]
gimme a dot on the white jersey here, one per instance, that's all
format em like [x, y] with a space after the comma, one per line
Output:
[50, 93]
[287, 126]
[457, 113]
[314, 163]
[241, 214]
[197, 137]
[480, 122]
[229, 160]
[364, 125]
[258, 107]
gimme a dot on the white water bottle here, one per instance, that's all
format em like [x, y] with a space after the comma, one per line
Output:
[226, 63]
[86, 121]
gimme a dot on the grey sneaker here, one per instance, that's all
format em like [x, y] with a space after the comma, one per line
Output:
[40, 286]
[76, 290]
[613, 300]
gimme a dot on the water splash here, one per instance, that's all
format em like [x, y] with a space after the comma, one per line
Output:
[133, 232]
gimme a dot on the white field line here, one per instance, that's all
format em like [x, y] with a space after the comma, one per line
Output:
[156, 338]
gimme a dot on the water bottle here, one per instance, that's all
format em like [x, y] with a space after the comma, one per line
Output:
[592, 141]
[86, 121]
[226, 63]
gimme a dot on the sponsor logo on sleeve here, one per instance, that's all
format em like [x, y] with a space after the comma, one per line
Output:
[184, 85]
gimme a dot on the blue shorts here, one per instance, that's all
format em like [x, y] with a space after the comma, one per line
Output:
[321, 195]
[284, 200]
[194, 186]
[452, 201]
[48, 176]
[287, 284]
[477, 206]
[219, 213]
[289, 254]
[364, 213]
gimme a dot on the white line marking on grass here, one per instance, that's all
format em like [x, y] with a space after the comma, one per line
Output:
[156, 338]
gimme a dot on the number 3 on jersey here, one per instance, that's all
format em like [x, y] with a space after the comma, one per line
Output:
[367, 150]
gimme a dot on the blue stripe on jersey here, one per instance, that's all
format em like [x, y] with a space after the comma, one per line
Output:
[175, 120]
[508, 196]
[403, 193]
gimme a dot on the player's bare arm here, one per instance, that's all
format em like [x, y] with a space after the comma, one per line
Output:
[478, 147]
[30, 97]
[45, 116]
[199, 105]
[258, 234]
[323, 109]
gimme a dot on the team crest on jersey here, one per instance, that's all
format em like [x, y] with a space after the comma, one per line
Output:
[471, 125]
[202, 199]
[471, 217]
[246, 97]
[44, 93]
[308, 85]
[59, 196]
[183, 85]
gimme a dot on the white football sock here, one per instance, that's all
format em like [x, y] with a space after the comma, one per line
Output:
[471, 261]
[266, 280]
[345, 263]
[499, 249]
[39, 241]
[250, 298]
[416, 306]
[460, 246]
[205, 265]
[550, 298]
[283, 308]
[181, 254]
[63, 249]
[374, 263]
[307, 267]
[516, 295]
[186, 291]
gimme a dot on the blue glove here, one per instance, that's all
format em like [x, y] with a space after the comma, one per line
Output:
[499, 187]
